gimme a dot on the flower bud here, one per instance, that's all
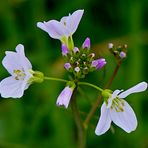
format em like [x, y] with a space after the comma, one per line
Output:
[67, 66]
[98, 64]
[76, 50]
[122, 55]
[64, 50]
[86, 43]
[110, 45]
[77, 69]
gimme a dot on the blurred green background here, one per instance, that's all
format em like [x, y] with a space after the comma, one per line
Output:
[35, 120]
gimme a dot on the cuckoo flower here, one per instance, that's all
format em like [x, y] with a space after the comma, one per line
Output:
[118, 110]
[21, 73]
[65, 95]
[63, 28]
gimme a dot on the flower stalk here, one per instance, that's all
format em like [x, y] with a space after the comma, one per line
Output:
[80, 127]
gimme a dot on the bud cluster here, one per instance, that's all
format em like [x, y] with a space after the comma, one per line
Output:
[119, 51]
[81, 61]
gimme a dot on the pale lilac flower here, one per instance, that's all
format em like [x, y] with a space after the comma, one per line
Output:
[64, 50]
[67, 66]
[18, 66]
[119, 111]
[65, 95]
[98, 64]
[86, 43]
[63, 28]
[122, 55]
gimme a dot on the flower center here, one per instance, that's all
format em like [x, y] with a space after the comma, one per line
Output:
[118, 105]
[19, 74]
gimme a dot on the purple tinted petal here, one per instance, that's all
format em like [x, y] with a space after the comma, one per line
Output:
[72, 21]
[64, 97]
[54, 28]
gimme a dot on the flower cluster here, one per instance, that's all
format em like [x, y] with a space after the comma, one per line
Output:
[79, 61]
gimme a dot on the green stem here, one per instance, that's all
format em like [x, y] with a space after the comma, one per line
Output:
[55, 79]
[80, 128]
[91, 85]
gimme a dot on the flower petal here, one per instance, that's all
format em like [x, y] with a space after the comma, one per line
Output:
[16, 60]
[104, 121]
[126, 120]
[137, 88]
[64, 97]
[72, 21]
[9, 87]
[24, 61]
[54, 28]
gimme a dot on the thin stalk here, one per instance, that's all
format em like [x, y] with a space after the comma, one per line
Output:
[55, 79]
[78, 122]
[91, 85]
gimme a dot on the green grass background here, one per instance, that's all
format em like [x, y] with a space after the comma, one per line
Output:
[34, 121]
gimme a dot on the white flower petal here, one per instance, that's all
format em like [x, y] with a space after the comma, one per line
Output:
[137, 88]
[64, 97]
[54, 28]
[104, 121]
[9, 87]
[72, 21]
[126, 120]
[24, 61]
[16, 60]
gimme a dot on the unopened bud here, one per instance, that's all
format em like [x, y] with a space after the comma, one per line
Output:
[77, 69]
[67, 66]
[99, 63]
[86, 43]
[110, 45]
[76, 50]
[64, 50]
[122, 55]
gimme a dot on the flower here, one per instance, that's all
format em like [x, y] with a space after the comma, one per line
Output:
[63, 28]
[18, 66]
[98, 64]
[118, 110]
[21, 72]
[65, 95]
